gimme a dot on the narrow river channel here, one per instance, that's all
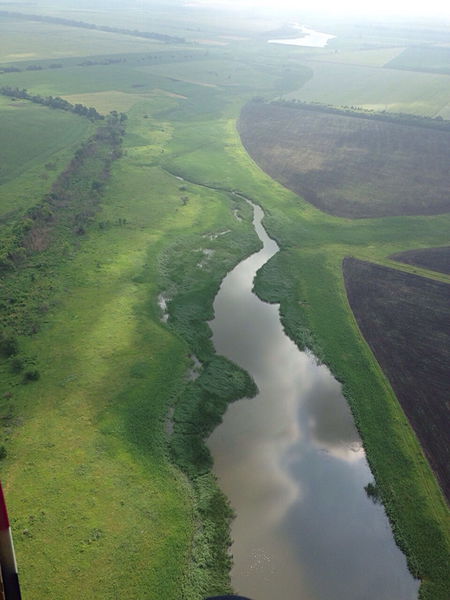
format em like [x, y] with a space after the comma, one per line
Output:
[291, 462]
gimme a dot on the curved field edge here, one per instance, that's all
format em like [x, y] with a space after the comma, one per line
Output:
[320, 317]
[89, 473]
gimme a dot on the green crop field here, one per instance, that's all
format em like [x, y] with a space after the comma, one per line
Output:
[213, 73]
[43, 142]
[29, 40]
[375, 88]
[38, 134]
[369, 58]
[433, 60]
[106, 474]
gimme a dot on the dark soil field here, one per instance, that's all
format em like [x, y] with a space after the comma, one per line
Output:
[404, 318]
[350, 166]
[436, 259]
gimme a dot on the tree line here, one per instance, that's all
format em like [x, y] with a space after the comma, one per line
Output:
[364, 113]
[53, 102]
[161, 37]
[85, 63]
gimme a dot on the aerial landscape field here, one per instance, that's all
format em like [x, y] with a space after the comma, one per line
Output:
[149, 151]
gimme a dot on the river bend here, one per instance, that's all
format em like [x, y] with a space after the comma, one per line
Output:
[292, 464]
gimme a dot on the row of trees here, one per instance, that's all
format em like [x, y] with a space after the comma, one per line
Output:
[91, 62]
[162, 37]
[364, 113]
[30, 68]
[53, 102]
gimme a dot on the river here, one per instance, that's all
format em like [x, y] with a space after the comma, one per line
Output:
[291, 462]
[310, 38]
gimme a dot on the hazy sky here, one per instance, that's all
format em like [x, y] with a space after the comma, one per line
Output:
[377, 7]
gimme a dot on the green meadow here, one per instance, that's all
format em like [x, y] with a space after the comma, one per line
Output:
[106, 474]
[376, 89]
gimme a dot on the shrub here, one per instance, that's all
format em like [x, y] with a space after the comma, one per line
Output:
[3, 452]
[16, 365]
[8, 343]
[373, 492]
[31, 375]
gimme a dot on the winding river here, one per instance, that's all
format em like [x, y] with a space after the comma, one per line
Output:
[291, 462]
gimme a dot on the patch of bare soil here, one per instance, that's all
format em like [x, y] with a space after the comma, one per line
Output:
[350, 166]
[435, 259]
[405, 320]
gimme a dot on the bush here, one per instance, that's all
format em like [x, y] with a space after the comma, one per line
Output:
[373, 492]
[16, 365]
[8, 344]
[3, 452]
[31, 375]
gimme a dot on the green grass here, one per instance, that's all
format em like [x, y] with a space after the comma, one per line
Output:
[375, 88]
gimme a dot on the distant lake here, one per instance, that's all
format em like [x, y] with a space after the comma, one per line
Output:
[311, 38]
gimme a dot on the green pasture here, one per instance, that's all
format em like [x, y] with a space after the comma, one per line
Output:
[375, 88]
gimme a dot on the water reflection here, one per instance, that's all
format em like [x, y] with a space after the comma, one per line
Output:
[311, 38]
[291, 462]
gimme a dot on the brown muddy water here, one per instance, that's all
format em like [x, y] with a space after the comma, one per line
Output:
[291, 462]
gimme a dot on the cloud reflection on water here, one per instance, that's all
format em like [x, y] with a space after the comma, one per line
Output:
[291, 462]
